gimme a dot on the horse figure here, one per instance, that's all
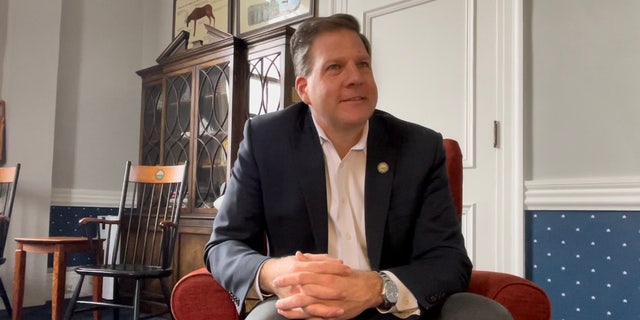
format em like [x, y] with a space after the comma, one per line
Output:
[198, 13]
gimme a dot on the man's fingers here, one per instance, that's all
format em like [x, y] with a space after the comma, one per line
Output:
[294, 301]
[323, 267]
[323, 311]
[322, 292]
[316, 257]
[305, 278]
[299, 306]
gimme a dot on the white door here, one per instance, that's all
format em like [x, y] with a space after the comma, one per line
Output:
[440, 63]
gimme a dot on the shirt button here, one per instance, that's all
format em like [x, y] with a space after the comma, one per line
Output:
[348, 237]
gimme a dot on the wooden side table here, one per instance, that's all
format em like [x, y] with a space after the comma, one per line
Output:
[59, 246]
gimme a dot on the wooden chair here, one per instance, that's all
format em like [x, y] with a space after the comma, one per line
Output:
[8, 183]
[143, 245]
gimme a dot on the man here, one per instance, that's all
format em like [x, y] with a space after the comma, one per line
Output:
[336, 191]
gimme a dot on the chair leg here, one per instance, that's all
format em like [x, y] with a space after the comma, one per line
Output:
[136, 299]
[167, 296]
[116, 298]
[5, 299]
[74, 298]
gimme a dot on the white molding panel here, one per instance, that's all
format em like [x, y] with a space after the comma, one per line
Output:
[583, 194]
[467, 144]
[85, 198]
[468, 229]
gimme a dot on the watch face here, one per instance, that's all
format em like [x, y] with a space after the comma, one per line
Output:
[391, 292]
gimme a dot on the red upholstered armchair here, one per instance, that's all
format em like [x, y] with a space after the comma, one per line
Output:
[198, 296]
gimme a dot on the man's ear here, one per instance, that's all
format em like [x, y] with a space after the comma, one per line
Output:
[301, 88]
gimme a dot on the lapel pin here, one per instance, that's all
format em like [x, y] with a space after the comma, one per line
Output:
[383, 167]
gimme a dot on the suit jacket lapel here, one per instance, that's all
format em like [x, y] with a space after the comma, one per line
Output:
[309, 160]
[381, 159]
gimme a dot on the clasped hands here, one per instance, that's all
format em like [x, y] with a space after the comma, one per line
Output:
[317, 286]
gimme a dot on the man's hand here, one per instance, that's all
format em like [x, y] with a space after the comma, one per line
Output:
[318, 287]
[315, 263]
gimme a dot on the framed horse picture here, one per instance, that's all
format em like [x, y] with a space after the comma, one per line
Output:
[203, 19]
[254, 16]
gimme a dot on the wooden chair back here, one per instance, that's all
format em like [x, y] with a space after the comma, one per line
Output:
[8, 184]
[148, 217]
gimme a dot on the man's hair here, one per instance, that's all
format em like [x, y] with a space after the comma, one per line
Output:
[309, 30]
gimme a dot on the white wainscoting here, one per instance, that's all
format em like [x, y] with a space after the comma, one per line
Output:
[80, 198]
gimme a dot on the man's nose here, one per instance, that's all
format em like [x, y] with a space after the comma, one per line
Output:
[354, 74]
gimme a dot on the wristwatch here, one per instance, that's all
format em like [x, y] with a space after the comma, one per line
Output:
[389, 292]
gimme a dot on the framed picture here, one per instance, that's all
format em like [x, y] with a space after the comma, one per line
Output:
[253, 16]
[201, 18]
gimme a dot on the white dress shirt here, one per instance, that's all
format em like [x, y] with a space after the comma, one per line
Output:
[345, 200]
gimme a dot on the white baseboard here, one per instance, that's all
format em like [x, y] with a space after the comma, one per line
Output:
[583, 194]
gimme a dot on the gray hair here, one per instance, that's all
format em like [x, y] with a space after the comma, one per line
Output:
[309, 30]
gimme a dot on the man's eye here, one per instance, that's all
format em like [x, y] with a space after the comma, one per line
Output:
[333, 67]
[364, 64]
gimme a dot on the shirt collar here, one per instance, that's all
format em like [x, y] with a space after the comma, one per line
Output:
[360, 145]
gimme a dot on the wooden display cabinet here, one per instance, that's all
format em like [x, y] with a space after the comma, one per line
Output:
[194, 106]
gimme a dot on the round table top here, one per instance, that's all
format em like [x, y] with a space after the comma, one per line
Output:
[52, 240]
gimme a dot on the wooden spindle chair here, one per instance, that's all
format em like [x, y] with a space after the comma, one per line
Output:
[8, 183]
[141, 250]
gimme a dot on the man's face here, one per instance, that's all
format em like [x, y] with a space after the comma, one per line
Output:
[340, 87]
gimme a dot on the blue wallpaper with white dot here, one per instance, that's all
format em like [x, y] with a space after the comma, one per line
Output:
[588, 262]
[63, 221]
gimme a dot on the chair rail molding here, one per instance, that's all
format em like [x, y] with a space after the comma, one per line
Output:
[85, 198]
[583, 194]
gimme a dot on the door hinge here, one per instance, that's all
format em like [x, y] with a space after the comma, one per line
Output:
[496, 133]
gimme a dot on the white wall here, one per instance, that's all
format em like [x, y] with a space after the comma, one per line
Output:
[4, 11]
[73, 106]
[157, 29]
[29, 85]
[98, 116]
[582, 118]
[585, 118]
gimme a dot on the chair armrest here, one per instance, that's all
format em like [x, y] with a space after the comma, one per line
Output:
[167, 224]
[87, 220]
[198, 295]
[522, 297]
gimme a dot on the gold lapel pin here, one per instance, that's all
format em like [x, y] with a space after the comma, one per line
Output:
[383, 167]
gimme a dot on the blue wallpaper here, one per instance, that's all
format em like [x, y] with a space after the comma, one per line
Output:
[588, 262]
[63, 221]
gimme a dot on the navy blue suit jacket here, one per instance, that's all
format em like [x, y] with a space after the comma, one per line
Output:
[278, 187]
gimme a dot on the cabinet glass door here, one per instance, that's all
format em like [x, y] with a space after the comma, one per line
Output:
[151, 124]
[213, 134]
[177, 119]
[264, 84]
